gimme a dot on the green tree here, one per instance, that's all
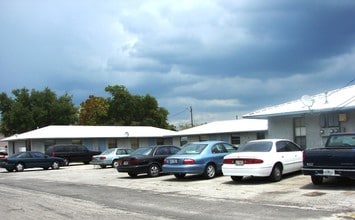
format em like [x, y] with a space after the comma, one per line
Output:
[29, 110]
[127, 109]
[93, 111]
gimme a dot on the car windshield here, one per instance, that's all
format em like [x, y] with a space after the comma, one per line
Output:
[108, 151]
[192, 148]
[142, 151]
[260, 146]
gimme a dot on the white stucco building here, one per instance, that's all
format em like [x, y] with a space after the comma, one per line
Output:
[310, 119]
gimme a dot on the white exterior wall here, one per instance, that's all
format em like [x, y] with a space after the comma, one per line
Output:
[280, 127]
[245, 137]
[37, 146]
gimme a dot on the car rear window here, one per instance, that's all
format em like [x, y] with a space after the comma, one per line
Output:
[192, 149]
[142, 151]
[262, 146]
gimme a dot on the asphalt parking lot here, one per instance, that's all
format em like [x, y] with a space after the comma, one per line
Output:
[293, 190]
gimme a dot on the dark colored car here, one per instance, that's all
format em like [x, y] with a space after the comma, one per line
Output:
[146, 160]
[71, 153]
[30, 159]
[3, 155]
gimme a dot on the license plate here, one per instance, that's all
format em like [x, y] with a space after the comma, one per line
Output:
[174, 161]
[239, 162]
[125, 162]
[328, 172]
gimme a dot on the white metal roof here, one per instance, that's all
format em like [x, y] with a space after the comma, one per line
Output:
[76, 131]
[335, 100]
[230, 126]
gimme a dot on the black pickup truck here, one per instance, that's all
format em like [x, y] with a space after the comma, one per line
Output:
[335, 159]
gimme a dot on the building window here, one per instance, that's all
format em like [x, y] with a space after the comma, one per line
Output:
[160, 141]
[235, 139]
[203, 137]
[80, 142]
[134, 143]
[260, 135]
[183, 140]
[329, 120]
[112, 143]
[300, 131]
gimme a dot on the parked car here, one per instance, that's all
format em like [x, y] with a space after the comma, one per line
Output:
[30, 159]
[3, 154]
[264, 158]
[71, 153]
[205, 158]
[146, 160]
[110, 157]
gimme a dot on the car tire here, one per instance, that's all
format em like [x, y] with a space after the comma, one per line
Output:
[9, 170]
[276, 173]
[19, 167]
[180, 175]
[55, 165]
[154, 170]
[66, 161]
[210, 171]
[115, 164]
[317, 180]
[103, 166]
[132, 174]
[236, 178]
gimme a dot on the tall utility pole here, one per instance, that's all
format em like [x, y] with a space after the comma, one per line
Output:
[192, 121]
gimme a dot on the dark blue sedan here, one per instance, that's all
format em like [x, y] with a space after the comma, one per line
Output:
[205, 158]
[30, 159]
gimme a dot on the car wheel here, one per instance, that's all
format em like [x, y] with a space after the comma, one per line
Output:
[132, 174]
[210, 171]
[19, 167]
[179, 175]
[317, 180]
[153, 170]
[103, 166]
[9, 170]
[236, 178]
[55, 165]
[276, 173]
[66, 161]
[115, 163]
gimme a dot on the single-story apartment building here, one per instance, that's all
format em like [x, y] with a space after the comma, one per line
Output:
[235, 132]
[104, 137]
[309, 120]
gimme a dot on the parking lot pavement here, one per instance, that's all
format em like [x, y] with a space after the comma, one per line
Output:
[295, 190]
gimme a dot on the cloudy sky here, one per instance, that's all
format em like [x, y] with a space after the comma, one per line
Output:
[222, 58]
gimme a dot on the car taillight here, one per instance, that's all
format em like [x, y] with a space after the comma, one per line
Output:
[241, 161]
[165, 161]
[189, 161]
[102, 158]
[53, 154]
[252, 161]
[228, 161]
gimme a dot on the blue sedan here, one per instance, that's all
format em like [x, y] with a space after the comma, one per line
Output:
[30, 159]
[203, 158]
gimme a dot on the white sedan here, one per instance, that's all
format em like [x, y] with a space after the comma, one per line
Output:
[264, 158]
